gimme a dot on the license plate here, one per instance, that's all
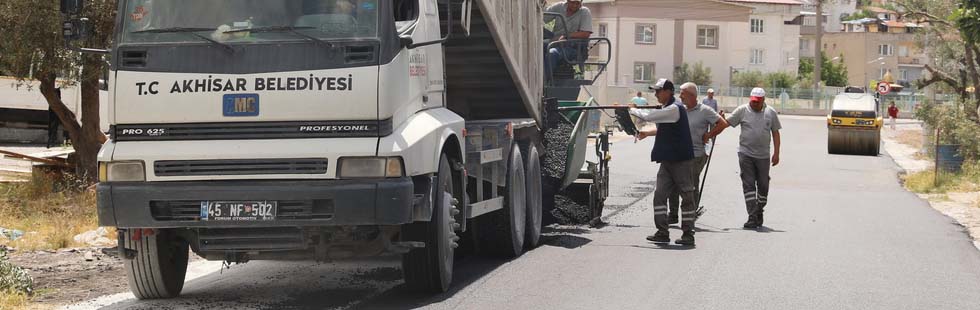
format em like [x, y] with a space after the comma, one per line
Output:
[240, 105]
[238, 210]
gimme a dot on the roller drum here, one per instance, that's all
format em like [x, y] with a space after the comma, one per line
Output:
[847, 141]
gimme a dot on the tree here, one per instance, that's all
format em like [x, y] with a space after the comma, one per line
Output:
[32, 38]
[697, 74]
[779, 80]
[953, 41]
[832, 73]
[749, 79]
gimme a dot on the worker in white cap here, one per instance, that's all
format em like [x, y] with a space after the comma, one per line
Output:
[710, 100]
[759, 123]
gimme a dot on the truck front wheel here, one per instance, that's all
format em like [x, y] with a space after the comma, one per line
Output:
[160, 264]
[430, 269]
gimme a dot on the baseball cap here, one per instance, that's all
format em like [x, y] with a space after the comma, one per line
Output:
[711, 90]
[663, 84]
[758, 94]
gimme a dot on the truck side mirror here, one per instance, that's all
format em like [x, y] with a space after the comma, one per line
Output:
[72, 7]
[405, 41]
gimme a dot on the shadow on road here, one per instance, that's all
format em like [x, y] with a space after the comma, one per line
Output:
[472, 268]
[764, 229]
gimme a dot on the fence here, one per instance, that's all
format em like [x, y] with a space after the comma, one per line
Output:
[797, 101]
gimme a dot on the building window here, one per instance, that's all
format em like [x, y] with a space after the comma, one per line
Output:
[903, 74]
[809, 20]
[885, 50]
[805, 45]
[603, 30]
[903, 51]
[755, 25]
[643, 72]
[707, 36]
[756, 56]
[646, 34]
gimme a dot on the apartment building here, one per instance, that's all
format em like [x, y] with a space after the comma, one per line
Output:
[872, 47]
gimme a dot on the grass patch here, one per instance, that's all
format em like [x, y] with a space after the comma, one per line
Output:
[912, 138]
[13, 300]
[50, 212]
[967, 180]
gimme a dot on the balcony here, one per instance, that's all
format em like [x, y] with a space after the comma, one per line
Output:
[911, 60]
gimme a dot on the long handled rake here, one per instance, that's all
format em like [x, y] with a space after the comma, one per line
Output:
[704, 178]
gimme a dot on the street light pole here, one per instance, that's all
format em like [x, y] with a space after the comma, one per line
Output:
[818, 60]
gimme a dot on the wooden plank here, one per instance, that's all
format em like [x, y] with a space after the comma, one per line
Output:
[35, 159]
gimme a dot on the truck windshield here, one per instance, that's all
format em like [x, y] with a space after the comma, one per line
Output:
[227, 21]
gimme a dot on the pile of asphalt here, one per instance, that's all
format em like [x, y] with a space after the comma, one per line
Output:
[556, 150]
[570, 212]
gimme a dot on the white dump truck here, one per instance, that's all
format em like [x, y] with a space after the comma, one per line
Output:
[322, 129]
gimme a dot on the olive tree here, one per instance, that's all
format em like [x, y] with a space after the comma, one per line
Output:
[30, 37]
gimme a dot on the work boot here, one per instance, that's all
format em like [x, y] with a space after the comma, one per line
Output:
[662, 236]
[758, 217]
[686, 239]
[752, 223]
[673, 218]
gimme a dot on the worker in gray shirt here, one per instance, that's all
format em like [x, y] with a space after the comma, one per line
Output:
[705, 124]
[578, 25]
[759, 123]
[710, 100]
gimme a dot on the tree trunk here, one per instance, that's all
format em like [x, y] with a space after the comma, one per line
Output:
[87, 138]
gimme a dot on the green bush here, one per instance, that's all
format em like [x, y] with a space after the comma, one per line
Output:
[13, 278]
[956, 127]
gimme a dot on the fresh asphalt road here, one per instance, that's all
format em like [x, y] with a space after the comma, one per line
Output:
[840, 233]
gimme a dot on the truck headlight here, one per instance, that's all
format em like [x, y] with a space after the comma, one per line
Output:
[121, 171]
[370, 167]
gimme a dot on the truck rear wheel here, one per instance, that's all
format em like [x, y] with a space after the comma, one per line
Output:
[534, 201]
[160, 264]
[430, 269]
[504, 229]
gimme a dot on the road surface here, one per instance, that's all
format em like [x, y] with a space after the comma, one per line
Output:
[840, 233]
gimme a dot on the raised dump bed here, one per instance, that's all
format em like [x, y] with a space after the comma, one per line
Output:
[497, 71]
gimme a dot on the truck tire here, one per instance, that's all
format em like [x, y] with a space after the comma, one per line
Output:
[430, 269]
[160, 264]
[502, 231]
[532, 233]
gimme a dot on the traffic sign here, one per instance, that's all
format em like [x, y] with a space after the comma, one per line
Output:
[884, 88]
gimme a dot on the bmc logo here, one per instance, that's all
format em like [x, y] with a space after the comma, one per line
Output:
[240, 105]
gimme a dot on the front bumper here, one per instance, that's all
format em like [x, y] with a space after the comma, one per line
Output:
[352, 202]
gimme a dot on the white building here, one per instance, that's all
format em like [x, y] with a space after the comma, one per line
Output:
[833, 14]
[773, 39]
[651, 37]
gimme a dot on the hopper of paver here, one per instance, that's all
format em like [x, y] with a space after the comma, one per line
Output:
[578, 141]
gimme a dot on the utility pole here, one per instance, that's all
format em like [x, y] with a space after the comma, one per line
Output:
[818, 59]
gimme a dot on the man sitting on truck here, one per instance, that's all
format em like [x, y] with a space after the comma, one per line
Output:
[675, 153]
[578, 25]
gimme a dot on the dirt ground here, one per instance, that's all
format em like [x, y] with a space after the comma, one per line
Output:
[71, 275]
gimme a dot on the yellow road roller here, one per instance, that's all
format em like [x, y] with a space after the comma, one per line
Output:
[854, 125]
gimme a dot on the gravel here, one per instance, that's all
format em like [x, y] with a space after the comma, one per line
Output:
[556, 149]
[569, 212]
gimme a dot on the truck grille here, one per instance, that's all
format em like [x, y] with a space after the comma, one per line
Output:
[252, 239]
[240, 167]
[251, 130]
[190, 210]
